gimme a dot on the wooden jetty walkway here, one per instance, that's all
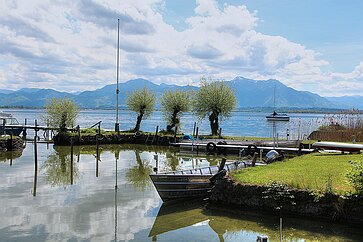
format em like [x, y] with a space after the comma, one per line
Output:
[237, 147]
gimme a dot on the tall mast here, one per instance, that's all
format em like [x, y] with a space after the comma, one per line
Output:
[117, 127]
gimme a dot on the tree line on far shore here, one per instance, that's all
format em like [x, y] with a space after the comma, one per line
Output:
[214, 100]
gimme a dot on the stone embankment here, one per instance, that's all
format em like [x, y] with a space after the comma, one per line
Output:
[16, 143]
[292, 201]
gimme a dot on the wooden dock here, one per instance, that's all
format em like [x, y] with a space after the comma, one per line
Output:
[237, 148]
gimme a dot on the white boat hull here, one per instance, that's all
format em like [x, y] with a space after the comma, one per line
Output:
[338, 146]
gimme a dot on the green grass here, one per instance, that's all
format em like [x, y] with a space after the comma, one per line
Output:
[309, 172]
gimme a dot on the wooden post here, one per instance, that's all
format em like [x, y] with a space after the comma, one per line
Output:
[99, 128]
[156, 134]
[24, 129]
[79, 134]
[176, 130]
[36, 130]
[35, 166]
[196, 137]
[195, 124]
[220, 132]
[3, 126]
[97, 155]
[221, 166]
[71, 162]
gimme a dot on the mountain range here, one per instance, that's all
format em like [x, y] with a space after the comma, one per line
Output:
[249, 93]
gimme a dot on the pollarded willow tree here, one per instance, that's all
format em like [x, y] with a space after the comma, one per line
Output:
[61, 113]
[215, 99]
[141, 101]
[173, 105]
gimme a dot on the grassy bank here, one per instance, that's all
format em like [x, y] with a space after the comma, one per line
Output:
[316, 172]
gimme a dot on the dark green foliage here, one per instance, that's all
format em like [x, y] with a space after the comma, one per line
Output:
[173, 105]
[214, 100]
[355, 176]
[141, 101]
[280, 194]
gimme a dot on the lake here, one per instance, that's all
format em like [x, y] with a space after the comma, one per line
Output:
[239, 124]
[109, 197]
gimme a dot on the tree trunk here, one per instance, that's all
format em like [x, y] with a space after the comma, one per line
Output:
[138, 122]
[174, 121]
[214, 124]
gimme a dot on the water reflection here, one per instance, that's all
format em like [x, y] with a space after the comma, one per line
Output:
[138, 175]
[231, 225]
[59, 168]
[9, 156]
[117, 205]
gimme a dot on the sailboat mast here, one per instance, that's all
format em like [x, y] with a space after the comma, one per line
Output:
[117, 127]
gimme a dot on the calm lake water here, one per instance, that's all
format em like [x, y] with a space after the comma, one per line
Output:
[239, 124]
[60, 201]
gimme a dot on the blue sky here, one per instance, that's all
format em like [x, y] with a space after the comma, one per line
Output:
[309, 45]
[334, 28]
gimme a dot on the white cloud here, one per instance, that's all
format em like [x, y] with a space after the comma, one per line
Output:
[72, 45]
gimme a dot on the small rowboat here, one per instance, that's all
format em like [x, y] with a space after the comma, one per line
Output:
[190, 183]
[344, 147]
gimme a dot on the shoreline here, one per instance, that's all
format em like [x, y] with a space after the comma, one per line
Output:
[292, 201]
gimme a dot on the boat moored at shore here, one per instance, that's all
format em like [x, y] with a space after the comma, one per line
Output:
[192, 183]
[8, 119]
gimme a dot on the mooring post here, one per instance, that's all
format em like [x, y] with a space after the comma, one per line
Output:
[35, 166]
[176, 130]
[79, 134]
[3, 126]
[221, 166]
[99, 128]
[156, 134]
[220, 132]
[196, 137]
[36, 130]
[97, 155]
[195, 124]
[71, 162]
[24, 129]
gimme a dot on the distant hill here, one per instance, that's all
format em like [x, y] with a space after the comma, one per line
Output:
[105, 97]
[252, 93]
[249, 94]
[347, 101]
[4, 91]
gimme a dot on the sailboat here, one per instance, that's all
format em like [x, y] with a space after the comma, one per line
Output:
[277, 116]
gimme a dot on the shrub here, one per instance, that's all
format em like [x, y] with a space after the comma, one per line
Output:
[355, 176]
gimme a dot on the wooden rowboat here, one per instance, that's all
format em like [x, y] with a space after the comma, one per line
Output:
[190, 183]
